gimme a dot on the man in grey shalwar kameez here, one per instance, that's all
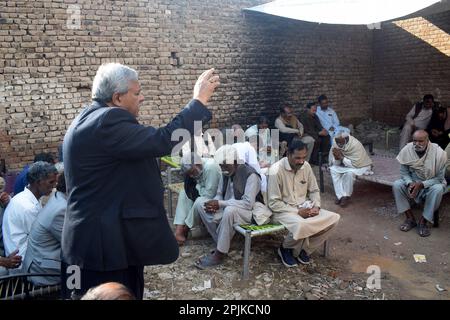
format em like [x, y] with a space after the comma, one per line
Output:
[423, 180]
[206, 172]
[237, 201]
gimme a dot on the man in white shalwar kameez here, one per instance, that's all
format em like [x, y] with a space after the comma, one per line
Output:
[347, 159]
[294, 199]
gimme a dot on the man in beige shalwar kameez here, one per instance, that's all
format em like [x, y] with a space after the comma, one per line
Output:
[294, 199]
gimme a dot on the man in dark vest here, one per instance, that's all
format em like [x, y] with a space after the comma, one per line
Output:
[417, 118]
[115, 222]
[238, 193]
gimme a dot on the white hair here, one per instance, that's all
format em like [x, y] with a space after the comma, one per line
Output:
[226, 154]
[342, 133]
[112, 78]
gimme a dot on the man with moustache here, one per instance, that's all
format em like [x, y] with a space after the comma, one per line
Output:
[294, 199]
[116, 222]
[422, 168]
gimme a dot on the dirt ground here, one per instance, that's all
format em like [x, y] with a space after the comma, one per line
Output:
[367, 235]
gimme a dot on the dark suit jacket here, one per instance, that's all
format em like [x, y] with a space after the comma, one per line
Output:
[115, 213]
[311, 125]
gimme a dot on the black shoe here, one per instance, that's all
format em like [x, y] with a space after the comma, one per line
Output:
[303, 257]
[286, 257]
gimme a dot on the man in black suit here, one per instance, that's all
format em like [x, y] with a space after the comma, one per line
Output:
[116, 222]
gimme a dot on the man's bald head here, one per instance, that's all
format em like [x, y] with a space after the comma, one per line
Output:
[420, 140]
[420, 134]
[109, 291]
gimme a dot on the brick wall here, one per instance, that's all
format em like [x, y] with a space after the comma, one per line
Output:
[411, 59]
[46, 69]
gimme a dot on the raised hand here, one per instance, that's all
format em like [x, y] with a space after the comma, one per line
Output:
[205, 86]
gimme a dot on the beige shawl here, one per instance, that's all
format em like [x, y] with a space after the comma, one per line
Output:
[355, 152]
[429, 165]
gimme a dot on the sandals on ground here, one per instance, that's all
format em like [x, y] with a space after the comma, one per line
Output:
[408, 225]
[424, 231]
[207, 261]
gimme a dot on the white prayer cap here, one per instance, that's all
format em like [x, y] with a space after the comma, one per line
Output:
[226, 154]
[342, 132]
[59, 167]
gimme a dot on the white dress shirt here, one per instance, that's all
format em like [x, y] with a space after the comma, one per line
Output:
[18, 218]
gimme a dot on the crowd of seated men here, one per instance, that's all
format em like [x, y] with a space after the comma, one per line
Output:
[251, 178]
[31, 221]
[242, 182]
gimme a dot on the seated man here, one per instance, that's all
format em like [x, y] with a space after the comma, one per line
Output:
[4, 201]
[44, 242]
[439, 127]
[423, 180]
[294, 199]
[291, 128]
[259, 137]
[347, 159]
[13, 260]
[314, 128]
[24, 207]
[447, 172]
[21, 180]
[201, 181]
[237, 198]
[417, 119]
[247, 154]
[327, 116]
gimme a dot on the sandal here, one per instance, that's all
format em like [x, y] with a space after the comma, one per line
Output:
[344, 202]
[207, 262]
[408, 225]
[424, 231]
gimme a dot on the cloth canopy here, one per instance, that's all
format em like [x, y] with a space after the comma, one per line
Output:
[352, 12]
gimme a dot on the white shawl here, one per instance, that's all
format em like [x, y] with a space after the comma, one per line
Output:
[354, 151]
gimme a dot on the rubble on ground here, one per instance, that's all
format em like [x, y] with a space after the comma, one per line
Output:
[323, 279]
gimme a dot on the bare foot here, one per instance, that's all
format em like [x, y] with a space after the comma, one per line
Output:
[181, 232]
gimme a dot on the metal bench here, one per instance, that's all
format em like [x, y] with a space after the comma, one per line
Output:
[250, 231]
[173, 164]
[18, 287]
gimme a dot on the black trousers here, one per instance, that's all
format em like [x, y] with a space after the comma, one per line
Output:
[132, 278]
[288, 137]
[322, 144]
